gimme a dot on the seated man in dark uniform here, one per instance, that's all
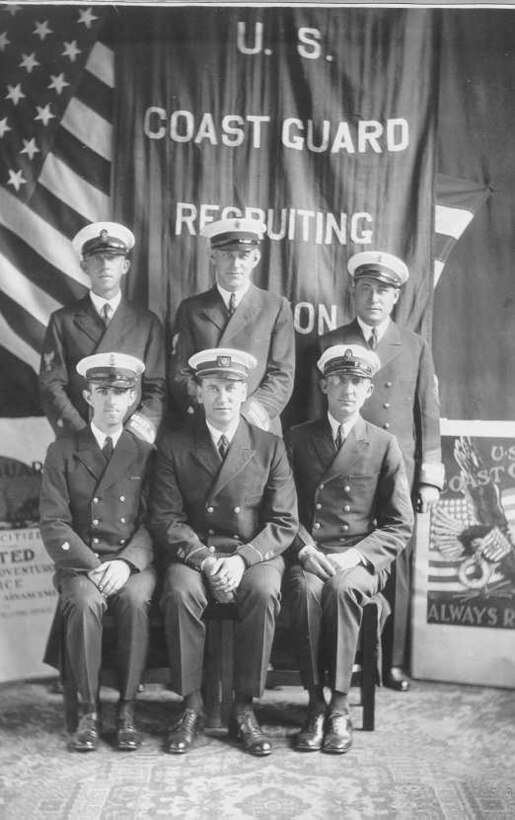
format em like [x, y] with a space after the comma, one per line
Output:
[92, 520]
[356, 517]
[224, 510]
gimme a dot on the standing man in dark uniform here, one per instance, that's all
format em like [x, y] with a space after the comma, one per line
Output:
[92, 521]
[356, 518]
[235, 313]
[224, 510]
[404, 402]
[103, 320]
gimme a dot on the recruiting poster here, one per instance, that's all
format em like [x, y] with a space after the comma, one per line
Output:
[27, 594]
[464, 624]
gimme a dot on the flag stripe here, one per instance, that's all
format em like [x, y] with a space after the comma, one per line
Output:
[18, 287]
[85, 162]
[88, 127]
[95, 95]
[15, 345]
[24, 324]
[64, 183]
[101, 63]
[61, 217]
[45, 240]
[37, 270]
[452, 221]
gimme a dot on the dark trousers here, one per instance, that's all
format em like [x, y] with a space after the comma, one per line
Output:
[257, 599]
[83, 607]
[325, 621]
[398, 594]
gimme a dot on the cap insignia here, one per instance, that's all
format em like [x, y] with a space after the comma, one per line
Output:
[223, 361]
[348, 354]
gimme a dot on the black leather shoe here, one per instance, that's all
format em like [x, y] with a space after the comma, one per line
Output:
[85, 738]
[127, 736]
[311, 736]
[338, 733]
[397, 679]
[182, 734]
[245, 728]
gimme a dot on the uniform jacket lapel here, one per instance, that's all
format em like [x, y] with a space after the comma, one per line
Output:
[90, 453]
[88, 321]
[214, 310]
[238, 456]
[120, 326]
[124, 453]
[390, 344]
[245, 315]
[203, 452]
[350, 453]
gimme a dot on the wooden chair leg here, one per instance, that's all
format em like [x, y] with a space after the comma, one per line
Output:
[369, 665]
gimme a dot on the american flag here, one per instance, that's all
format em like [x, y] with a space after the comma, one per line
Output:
[56, 122]
[457, 201]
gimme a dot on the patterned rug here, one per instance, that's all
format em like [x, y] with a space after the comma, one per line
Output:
[440, 751]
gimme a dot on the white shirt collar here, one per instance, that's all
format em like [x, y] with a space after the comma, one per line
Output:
[380, 329]
[99, 302]
[346, 426]
[238, 294]
[229, 433]
[101, 437]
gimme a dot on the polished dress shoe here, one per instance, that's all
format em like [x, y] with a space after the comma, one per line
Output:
[85, 738]
[127, 736]
[338, 733]
[181, 735]
[245, 728]
[397, 679]
[311, 736]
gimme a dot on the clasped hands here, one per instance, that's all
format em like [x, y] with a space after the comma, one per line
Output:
[223, 576]
[110, 577]
[326, 565]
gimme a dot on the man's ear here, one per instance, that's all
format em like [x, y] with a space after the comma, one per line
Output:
[397, 295]
[370, 390]
[323, 385]
[256, 257]
[198, 390]
[86, 395]
[126, 265]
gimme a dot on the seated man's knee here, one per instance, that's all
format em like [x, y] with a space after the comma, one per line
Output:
[183, 587]
[81, 595]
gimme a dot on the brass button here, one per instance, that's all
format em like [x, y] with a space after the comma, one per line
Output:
[122, 498]
[95, 554]
[211, 549]
[96, 540]
[210, 532]
[346, 508]
[321, 486]
[318, 506]
[65, 546]
[60, 423]
[237, 510]
[386, 404]
[316, 525]
[345, 527]
[95, 522]
[96, 500]
[210, 509]
[122, 520]
[386, 425]
[346, 489]
[122, 541]
[388, 384]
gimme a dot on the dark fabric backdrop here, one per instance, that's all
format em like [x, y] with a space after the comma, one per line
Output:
[383, 65]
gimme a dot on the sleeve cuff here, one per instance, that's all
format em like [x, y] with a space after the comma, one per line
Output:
[433, 474]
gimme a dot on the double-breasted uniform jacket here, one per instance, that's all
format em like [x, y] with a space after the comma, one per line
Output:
[245, 504]
[76, 331]
[90, 511]
[262, 325]
[356, 496]
[405, 398]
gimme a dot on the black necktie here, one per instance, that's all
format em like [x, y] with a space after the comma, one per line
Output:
[223, 446]
[339, 437]
[232, 304]
[372, 341]
[108, 448]
[106, 313]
